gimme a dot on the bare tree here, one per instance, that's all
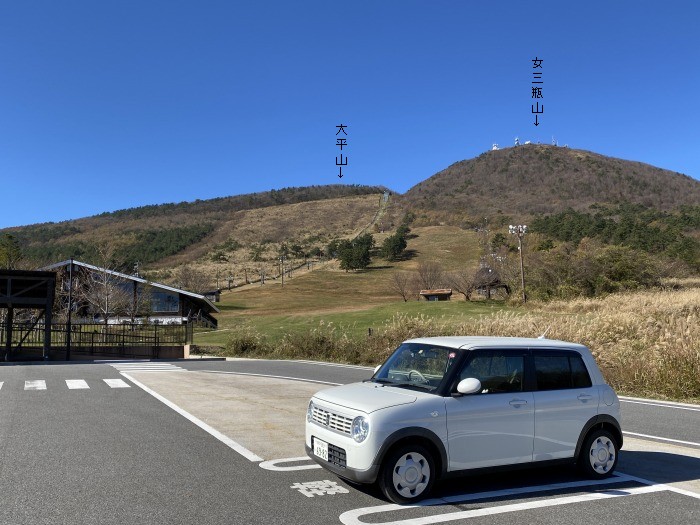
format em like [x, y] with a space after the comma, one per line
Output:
[191, 279]
[140, 303]
[430, 275]
[462, 281]
[401, 283]
[103, 291]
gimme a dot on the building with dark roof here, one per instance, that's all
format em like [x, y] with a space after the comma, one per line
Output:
[133, 299]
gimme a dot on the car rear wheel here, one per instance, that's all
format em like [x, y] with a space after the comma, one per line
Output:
[598, 456]
[407, 474]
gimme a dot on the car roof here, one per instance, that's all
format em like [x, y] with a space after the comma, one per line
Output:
[471, 342]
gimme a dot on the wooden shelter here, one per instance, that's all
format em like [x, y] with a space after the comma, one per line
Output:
[21, 289]
[441, 294]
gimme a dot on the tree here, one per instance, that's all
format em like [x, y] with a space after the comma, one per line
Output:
[140, 302]
[10, 252]
[430, 275]
[401, 284]
[256, 252]
[462, 281]
[393, 247]
[191, 279]
[355, 254]
[105, 294]
[332, 248]
[99, 292]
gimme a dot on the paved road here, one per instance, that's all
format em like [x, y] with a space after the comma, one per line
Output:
[84, 443]
[672, 421]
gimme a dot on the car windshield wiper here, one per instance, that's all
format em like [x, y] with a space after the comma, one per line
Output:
[381, 380]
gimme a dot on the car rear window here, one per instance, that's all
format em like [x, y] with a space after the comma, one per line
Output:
[557, 372]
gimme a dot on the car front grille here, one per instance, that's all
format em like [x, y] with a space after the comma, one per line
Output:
[331, 420]
[337, 456]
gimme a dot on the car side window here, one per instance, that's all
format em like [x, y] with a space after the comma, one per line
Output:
[579, 373]
[558, 372]
[498, 371]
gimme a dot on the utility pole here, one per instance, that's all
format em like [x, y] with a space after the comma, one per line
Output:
[520, 230]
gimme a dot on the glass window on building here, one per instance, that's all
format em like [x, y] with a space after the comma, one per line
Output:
[165, 302]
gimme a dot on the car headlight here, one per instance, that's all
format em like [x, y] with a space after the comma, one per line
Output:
[310, 412]
[360, 428]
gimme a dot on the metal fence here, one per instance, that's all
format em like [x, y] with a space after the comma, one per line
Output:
[87, 336]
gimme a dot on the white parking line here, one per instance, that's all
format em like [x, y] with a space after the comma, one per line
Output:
[38, 384]
[677, 406]
[274, 464]
[661, 438]
[201, 424]
[352, 517]
[324, 363]
[76, 384]
[271, 377]
[1, 383]
[147, 367]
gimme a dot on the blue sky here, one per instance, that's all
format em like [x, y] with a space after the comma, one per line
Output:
[114, 104]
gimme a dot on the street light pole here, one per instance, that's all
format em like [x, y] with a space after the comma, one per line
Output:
[520, 230]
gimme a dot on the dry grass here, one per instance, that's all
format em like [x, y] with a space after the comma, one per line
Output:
[646, 343]
[288, 223]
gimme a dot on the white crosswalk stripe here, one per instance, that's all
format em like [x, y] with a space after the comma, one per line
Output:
[147, 366]
[72, 384]
[117, 383]
[76, 384]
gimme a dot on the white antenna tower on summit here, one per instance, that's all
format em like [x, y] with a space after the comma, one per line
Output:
[517, 141]
[554, 141]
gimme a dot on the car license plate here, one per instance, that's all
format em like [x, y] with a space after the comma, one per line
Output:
[321, 449]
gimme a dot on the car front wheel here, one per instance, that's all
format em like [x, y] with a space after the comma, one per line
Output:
[598, 456]
[407, 474]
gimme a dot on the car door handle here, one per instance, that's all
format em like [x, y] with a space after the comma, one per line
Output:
[585, 397]
[518, 402]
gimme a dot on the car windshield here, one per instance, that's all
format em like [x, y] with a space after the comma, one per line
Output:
[416, 365]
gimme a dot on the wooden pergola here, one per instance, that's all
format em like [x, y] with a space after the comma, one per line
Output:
[21, 289]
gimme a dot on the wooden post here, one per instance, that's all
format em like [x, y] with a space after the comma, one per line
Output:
[48, 322]
[8, 332]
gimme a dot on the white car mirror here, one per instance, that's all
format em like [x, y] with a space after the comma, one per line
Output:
[376, 369]
[470, 385]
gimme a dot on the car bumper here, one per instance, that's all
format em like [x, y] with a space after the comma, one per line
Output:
[351, 474]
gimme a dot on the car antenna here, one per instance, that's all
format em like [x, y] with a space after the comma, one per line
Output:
[545, 332]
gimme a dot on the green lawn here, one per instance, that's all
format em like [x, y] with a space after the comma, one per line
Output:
[355, 322]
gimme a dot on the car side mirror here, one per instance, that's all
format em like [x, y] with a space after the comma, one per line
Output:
[376, 369]
[470, 385]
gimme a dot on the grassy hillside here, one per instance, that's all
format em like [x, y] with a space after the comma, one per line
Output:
[151, 233]
[354, 300]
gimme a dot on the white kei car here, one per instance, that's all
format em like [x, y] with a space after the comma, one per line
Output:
[441, 406]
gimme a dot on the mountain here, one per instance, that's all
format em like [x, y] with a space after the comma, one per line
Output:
[564, 194]
[149, 234]
[528, 180]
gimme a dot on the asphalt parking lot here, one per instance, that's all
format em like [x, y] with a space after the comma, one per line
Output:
[223, 442]
[656, 482]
